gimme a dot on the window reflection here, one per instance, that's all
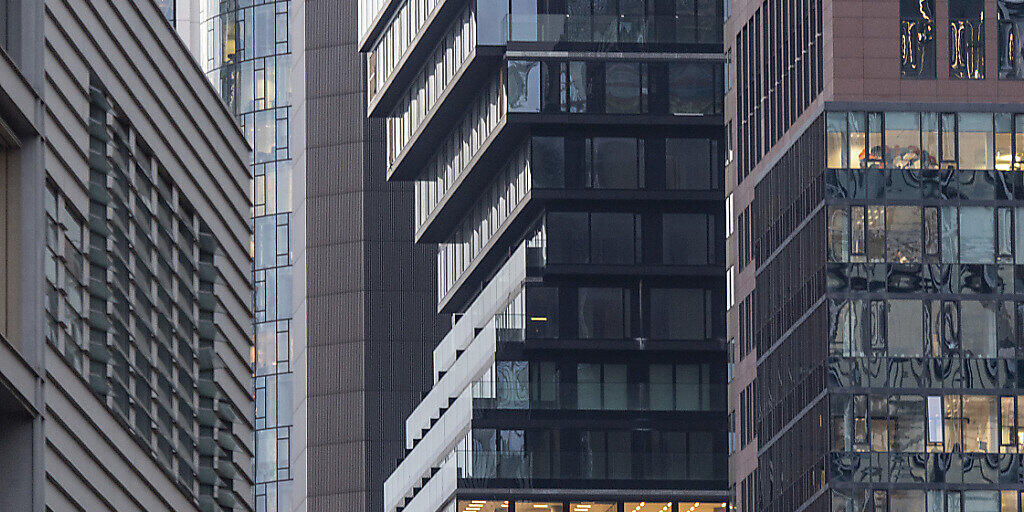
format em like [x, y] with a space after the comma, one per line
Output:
[917, 38]
[966, 40]
[624, 163]
[1010, 17]
[616, 87]
[603, 313]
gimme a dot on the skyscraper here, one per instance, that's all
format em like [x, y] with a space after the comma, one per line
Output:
[125, 290]
[567, 159]
[342, 343]
[877, 192]
[246, 53]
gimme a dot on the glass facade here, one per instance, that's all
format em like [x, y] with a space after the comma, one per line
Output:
[600, 369]
[923, 310]
[245, 53]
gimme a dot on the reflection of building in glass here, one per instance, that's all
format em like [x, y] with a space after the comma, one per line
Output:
[576, 198]
[877, 259]
[245, 53]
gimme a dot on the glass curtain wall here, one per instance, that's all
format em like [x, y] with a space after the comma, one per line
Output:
[245, 53]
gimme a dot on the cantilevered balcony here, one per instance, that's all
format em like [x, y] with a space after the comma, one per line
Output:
[529, 93]
[477, 386]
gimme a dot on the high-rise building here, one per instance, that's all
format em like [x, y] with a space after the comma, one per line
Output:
[125, 291]
[567, 163]
[368, 289]
[245, 49]
[344, 326]
[876, 191]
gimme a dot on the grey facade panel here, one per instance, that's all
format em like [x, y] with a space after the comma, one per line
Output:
[368, 283]
[135, 139]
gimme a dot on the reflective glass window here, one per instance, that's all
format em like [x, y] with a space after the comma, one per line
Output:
[908, 424]
[836, 152]
[978, 324]
[685, 238]
[538, 506]
[548, 162]
[602, 313]
[838, 233]
[902, 140]
[568, 237]
[625, 88]
[1010, 23]
[678, 314]
[905, 329]
[692, 88]
[690, 164]
[482, 506]
[617, 162]
[980, 422]
[903, 234]
[967, 39]
[975, 141]
[977, 234]
[523, 86]
[613, 238]
[592, 506]
[917, 38]
[542, 312]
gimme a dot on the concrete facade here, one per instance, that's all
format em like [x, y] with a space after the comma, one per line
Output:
[101, 103]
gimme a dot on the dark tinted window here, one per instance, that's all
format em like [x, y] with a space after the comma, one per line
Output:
[542, 312]
[548, 162]
[568, 237]
[677, 313]
[690, 164]
[602, 313]
[617, 162]
[685, 239]
[612, 238]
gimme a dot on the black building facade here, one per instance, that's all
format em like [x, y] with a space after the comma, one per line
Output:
[567, 163]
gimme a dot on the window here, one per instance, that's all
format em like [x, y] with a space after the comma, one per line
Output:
[1010, 18]
[902, 140]
[903, 234]
[548, 162]
[966, 40]
[613, 238]
[686, 239]
[978, 324]
[905, 331]
[617, 162]
[601, 386]
[692, 88]
[691, 164]
[975, 141]
[542, 312]
[917, 38]
[603, 313]
[980, 423]
[568, 237]
[625, 88]
[678, 314]
[838, 234]
[523, 86]
[977, 234]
